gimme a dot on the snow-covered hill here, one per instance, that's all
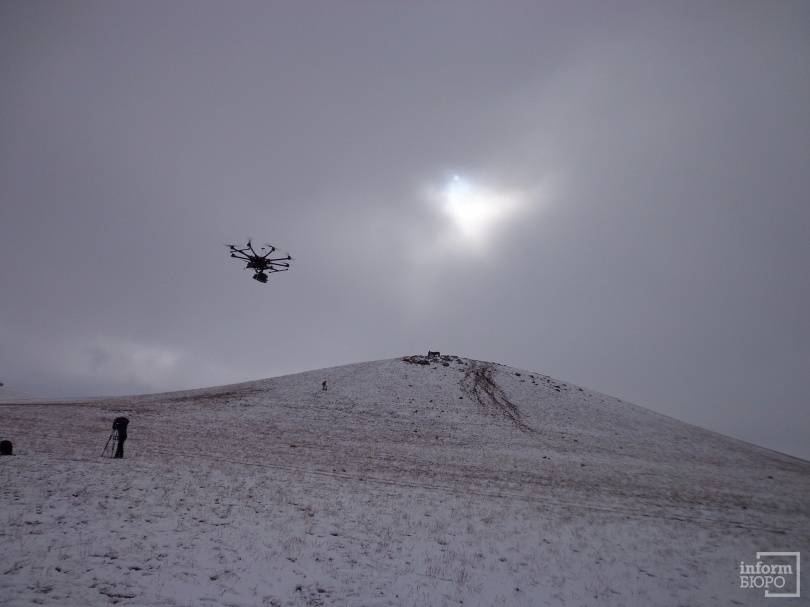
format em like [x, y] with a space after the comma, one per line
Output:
[404, 483]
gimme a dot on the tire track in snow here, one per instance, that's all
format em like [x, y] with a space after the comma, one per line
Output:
[479, 385]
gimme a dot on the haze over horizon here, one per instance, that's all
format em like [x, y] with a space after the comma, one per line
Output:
[614, 196]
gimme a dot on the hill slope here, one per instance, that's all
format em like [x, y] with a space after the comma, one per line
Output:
[404, 483]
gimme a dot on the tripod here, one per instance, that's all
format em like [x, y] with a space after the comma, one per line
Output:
[112, 443]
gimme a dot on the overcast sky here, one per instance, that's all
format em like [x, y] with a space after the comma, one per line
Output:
[615, 194]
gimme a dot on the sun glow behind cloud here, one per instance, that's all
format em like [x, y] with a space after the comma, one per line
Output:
[474, 209]
[462, 220]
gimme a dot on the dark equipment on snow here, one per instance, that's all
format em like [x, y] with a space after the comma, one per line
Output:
[260, 263]
[6, 448]
[117, 437]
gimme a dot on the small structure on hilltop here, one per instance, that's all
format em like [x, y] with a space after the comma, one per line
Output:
[432, 358]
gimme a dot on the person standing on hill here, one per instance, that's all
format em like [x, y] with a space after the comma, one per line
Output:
[323, 385]
[120, 426]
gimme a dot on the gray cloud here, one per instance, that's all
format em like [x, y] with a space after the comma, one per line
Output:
[662, 150]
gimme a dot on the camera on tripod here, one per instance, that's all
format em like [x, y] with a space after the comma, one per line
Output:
[115, 444]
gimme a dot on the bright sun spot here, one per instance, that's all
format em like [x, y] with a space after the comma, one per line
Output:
[473, 208]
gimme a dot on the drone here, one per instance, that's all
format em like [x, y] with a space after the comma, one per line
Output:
[260, 263]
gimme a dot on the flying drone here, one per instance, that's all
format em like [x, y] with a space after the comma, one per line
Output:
[261, 263]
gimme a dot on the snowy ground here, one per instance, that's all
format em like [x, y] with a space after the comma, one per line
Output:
[403, 484]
